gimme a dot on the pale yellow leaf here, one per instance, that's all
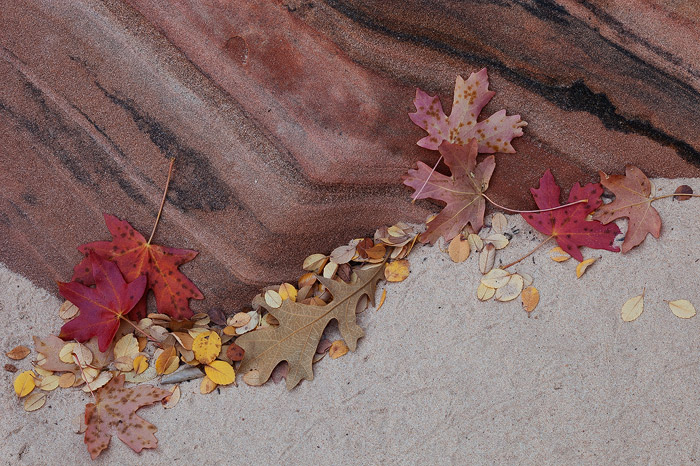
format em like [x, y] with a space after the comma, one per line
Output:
[531, 298]
[49, 383]
[559, 255]
[67, 310]
[220, 372]
[338, 348]
[633, 308]
[527, 279]
[487, 257]
[99, 382]
[75, 353]
[207, 385]
[496, 278]
[89, 374]
[24, 383]
[239, 319]
[42, 372]
[273, 299]
[329, 270]
[127, 346]
[18, 353]
[510, 290]
[484, 293]
[252, 323]
[459, 249]
[287, 291]
[171, 400]
[397, 271]
[583, 266]
[475, 242]
[682, 308]
[34, 401]
[499, 223]
[498, 241]
[253, 378]
[315, 263]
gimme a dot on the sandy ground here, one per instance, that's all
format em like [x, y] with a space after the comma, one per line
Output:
[440, 377]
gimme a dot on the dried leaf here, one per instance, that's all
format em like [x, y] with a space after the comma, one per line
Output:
[66, 380]
[494, 133]
[330, 269]
[484, 293]
[462, 192]
[487, 258]
[682, 308]
[11, 368]
[207, 385]
[273, 299]
[140, 364]
[206, 347]
[183, 374]
[633, 200]
[127, 346]
[49, 383]
[67, 310]
[287, 291]
[496, 278]
[239, 319]
[99, 382]
[568, 225]
[18, 353]
[172, 400]
[301, 326]
[34, 401]
[254, 378]
[315, 263]
[343, 254]
[558, 255]
[498, 241]
[527, 279]
[682, 193]
[77, 353]
[459, 249]
[168, 361]
[531, 298]
[510, 290]
[149, 374]
[633, 308]
[24, 383]
[136, 257]
[381, 300]
[251, 325]
[475, 242]
[115, 412]
[220, 372]
[397, 271]
[338, 348]
[499, 223]
[234, 352]
[583, 266]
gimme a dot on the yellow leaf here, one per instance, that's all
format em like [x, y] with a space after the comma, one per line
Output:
[487, 258]
[229, 330]
[66, 380]
[34, 401]
[397, 271]
[207, 386]
[484, 293]
[558, 255]
[126, 346]
[338, 348]
[42, 372]
[459, 249]
[207, 346]
[475, 242]
[49, 383]
[633, 308]
[315, 263]
[67, 310]
[381, 300]
[273, 299]
[24, 383]
[140, 364]
[682, 308]
[171, 400]
[499, 223]
[510, 290]
[330, 269]
[287, 291]
[239, 319]
[167, 361]
[72, 352]
[582, 266]
[496, 278]
[220, 372]
[253, 378]
[531, 298]
[498, 241]
[20, 352]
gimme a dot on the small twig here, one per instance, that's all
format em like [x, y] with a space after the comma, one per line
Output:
[162, 202]
[145, 333]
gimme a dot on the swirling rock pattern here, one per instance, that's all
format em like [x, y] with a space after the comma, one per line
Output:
[288, 119]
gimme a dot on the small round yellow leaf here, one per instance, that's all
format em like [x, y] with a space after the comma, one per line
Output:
[287, 291]
[484, 293]
[140, 364]
[510, 290]
[633, 308]
[531, 298]
[220, 372]
[273, 299]
[252, 378]
[66, 380]
[338, 348]
[397, 271]
[34, 401]
[167, 361]
[49, 383]
[24, 383]
[682, 308]
[207, 386]
[496, 278]
[582, 266]
[207, 346]
[559, 255]
[459, 249]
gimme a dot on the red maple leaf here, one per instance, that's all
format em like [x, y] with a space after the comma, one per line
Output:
[462, 192]
[135, 256]
[568, 225]
[102, 307]
[114, 412]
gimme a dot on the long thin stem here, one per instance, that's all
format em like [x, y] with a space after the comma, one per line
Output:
[145, 333]
[529, 253]
[162, 202]
[650, 200]
[417, 193]
[580, 201]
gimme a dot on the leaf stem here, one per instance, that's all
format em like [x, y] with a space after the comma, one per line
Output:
[162, 202]
[82, 373]
[529, 253]
[145, 333]
[580, 201]
[417, 193]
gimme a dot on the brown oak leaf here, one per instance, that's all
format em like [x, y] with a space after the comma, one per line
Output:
[115, 412]
[632, 200]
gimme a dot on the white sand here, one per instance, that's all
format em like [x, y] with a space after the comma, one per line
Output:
[439, 377]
